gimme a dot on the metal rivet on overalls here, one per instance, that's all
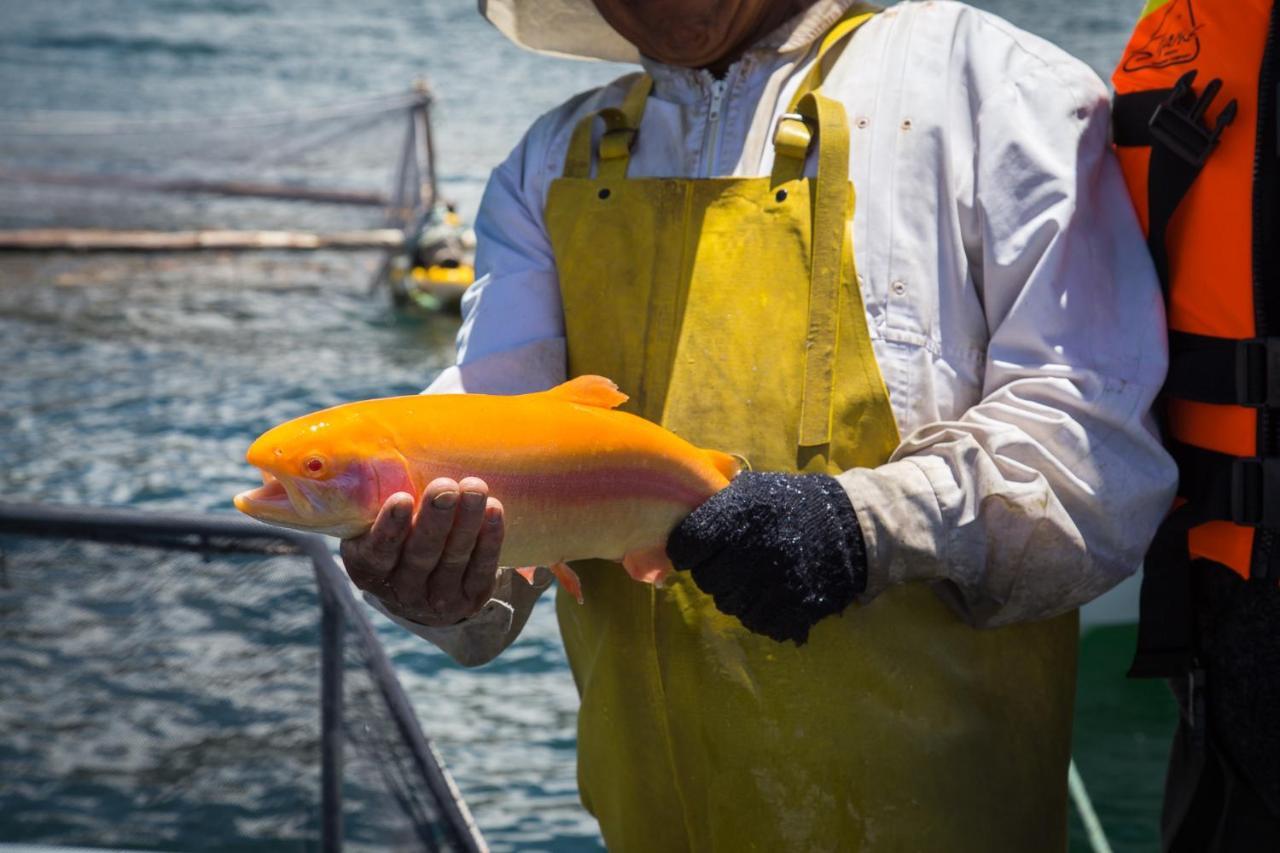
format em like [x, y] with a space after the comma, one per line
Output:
[906, 124]
[781, 195]
[899, 287]
[862, 122]
[604, 193]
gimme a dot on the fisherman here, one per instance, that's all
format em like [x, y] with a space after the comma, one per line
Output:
[942, 383]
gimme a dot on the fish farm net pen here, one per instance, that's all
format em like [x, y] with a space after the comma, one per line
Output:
[358, 168]
[160, 675]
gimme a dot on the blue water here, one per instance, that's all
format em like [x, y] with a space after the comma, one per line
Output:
[139, 380]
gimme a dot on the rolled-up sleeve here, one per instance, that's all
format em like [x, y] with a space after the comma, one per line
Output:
[1045, 493]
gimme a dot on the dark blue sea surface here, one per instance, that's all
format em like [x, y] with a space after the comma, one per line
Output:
[140, 379]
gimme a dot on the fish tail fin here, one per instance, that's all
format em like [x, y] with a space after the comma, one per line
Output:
[648, 565]
[727, 464]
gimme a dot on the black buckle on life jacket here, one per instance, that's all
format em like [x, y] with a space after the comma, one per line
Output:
[1258, 373]
[1255, 492]
[1178, 120]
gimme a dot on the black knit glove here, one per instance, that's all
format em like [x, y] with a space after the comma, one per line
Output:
[778, 551]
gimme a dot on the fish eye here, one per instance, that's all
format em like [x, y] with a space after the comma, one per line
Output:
[313, 465]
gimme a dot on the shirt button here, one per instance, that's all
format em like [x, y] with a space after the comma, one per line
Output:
[899, 287]
[861, 122]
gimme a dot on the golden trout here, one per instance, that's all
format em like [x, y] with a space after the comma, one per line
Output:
[577, 479]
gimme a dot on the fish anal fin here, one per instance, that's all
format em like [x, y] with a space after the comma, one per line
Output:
[648, 565]
[527, 572]
[568, 579]
[589, 390]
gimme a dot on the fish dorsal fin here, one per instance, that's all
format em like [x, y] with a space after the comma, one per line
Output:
[589, 391]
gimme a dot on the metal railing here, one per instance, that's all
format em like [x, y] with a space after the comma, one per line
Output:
[454, 827]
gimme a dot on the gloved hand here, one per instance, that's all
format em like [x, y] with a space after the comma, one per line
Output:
[778, 551]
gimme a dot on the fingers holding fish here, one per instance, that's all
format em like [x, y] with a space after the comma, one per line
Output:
[370, 558]
[481, 575]
[444, 585]
[420, 556]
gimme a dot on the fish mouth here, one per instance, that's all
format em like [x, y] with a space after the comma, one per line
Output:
[286, 502]
[270, 500]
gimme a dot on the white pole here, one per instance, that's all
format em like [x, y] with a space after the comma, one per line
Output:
[1084, 807]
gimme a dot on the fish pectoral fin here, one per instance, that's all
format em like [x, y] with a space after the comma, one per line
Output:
[589, 390]
[648, 565]
[568, 579]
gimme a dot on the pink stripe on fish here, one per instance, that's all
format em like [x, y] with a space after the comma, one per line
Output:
[596, 484]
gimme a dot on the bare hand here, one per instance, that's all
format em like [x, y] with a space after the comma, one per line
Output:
[435, 569]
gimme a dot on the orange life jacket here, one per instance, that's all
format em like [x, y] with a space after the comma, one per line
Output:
[1195, 123]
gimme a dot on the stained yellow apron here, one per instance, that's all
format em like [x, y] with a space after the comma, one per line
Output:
[729, 310]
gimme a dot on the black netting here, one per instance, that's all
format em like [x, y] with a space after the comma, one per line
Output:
[201, 684]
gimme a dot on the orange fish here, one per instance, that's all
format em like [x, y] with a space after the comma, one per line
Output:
[577, 480]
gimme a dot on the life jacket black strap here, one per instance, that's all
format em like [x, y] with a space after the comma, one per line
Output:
[1242, 490]
[1226, 488]
[1171, 121]
[1166, 630]
[1225, 371]
[1131, 116]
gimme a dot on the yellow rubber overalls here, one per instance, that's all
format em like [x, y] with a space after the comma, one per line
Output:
[729, 310]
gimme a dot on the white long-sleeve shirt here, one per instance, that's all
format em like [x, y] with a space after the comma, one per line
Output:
[1012, 305]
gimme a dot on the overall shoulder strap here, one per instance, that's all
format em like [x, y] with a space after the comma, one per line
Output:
[620, 123]
[836, 36]
[794, 132]
[809, 112]
[623, 122]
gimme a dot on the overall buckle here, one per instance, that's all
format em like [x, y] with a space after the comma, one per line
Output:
[617, 143]
[792, 134]
[1178, 122]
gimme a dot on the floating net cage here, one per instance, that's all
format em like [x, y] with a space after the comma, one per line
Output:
[200, 683]
[355, 164]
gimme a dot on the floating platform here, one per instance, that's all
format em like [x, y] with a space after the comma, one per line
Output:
[112, 240]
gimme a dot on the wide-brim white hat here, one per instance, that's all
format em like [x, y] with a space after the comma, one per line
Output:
[559, 27]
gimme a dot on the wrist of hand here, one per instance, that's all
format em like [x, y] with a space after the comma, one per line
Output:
[780, 552]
